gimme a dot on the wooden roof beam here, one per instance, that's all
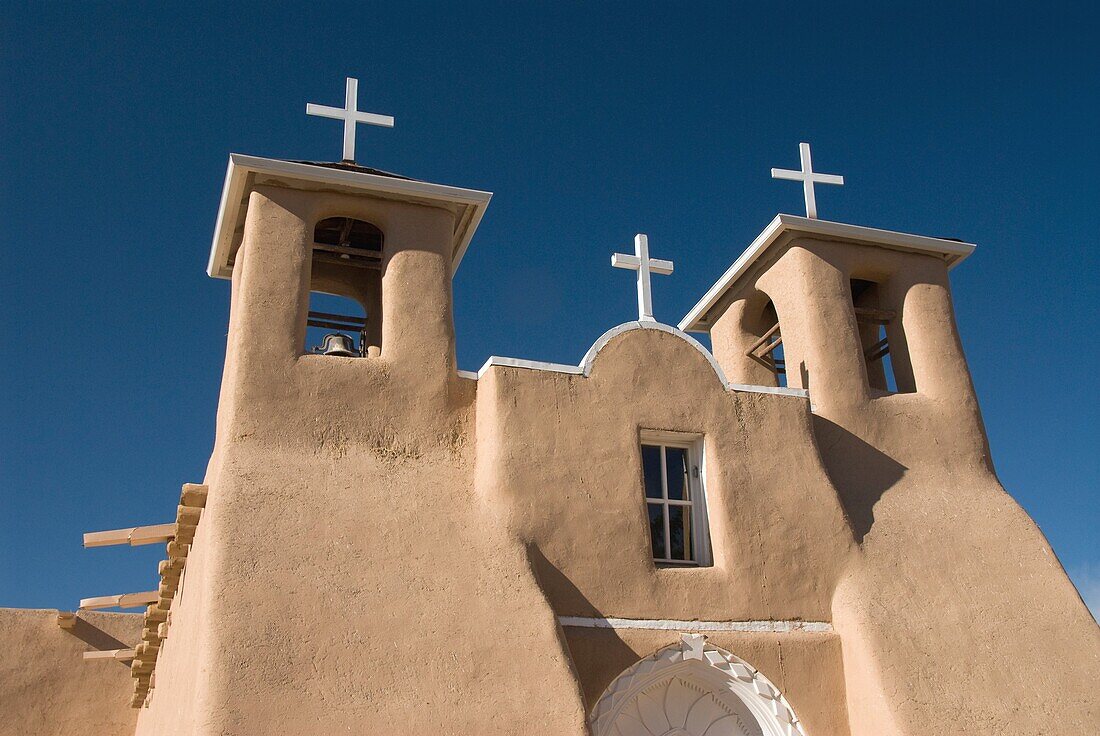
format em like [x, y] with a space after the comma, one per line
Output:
[121, 655]
[126, 600]
[133, 536]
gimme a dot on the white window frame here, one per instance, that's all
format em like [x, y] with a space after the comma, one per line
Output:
[700, 528]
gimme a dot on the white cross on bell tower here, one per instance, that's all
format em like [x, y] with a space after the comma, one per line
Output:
[350, 114]
[644, 265]
[808, 178]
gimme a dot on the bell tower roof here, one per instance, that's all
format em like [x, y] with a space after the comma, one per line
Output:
[783, 229]
[245, 173]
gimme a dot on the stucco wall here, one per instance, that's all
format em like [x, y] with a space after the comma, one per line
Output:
[953, 587]
[388, 546]
[350, 576]
[561, 454]
[46, 687]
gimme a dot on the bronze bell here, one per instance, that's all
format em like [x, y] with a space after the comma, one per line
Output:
[336, 343]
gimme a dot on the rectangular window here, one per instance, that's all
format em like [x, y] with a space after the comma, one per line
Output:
[673, 480]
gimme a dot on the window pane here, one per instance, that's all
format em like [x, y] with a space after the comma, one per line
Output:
[657, 529]
[676, 460]
[679, 524]
[689, 539]
[651, 470]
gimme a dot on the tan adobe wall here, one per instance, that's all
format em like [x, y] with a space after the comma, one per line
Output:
[388, 545]
[350, 575]
[46, 687]
[954, 587]
[560, 453]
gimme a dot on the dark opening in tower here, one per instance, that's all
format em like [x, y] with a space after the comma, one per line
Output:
[768, 348]
[881, 338]
[345, 306]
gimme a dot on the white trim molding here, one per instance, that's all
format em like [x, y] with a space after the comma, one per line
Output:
[800, 393]
[707, 674]
[585, 367]
[952, 251]
[244, 173]
[534, 365]
[751, 627]
[590, 357]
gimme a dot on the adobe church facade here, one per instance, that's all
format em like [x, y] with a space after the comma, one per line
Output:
[800, 532]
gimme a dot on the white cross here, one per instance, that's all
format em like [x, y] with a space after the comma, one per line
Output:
[808, 178]
[644, 265]
[350, 114]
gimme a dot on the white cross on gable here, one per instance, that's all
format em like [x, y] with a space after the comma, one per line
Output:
[808, 178]
[350, 114]
[644, 265]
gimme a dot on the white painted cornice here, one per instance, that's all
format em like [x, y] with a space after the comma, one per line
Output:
[785, 227]
[244, 173]
[589, 359]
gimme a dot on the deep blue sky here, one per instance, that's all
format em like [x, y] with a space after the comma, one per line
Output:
[589, 124]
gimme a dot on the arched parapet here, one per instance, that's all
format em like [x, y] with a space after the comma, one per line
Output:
[685, 689]
[585, 366]
[593, 352]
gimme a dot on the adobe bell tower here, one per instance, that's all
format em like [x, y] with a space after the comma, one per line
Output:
[861, 320]
[339, 509]
[849, 313]
[288, 230]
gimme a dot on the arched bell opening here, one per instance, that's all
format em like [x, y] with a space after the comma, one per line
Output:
[336, 325]
[693, 689]
[761, 322]
[345, 307]
[882, 339]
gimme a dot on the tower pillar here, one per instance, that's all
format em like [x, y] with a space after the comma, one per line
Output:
[820, 336]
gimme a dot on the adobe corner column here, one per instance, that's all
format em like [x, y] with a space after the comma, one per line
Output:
[930, 335]
[820, 337]
[271, 282]
[418, 330]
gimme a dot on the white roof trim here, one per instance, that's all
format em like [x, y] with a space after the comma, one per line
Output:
[585, 367]
[472, 203]
[800, 393]
[535, 365]
[590, 357]
[953, 251]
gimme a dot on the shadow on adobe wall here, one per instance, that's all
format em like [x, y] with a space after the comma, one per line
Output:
[96, 638]
[860, 473]
[597, 655]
